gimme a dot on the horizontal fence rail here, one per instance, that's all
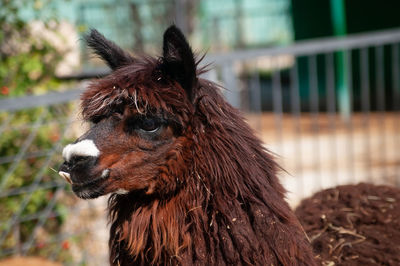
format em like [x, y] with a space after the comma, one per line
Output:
[328, 108]
[311, 47]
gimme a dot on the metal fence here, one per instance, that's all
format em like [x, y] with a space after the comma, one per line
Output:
[38, 210]
[329, 109]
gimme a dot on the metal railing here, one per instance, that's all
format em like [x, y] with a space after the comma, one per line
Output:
[332, 103]
[290, 95]
[35, 203]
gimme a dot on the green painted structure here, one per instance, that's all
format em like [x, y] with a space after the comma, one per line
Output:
[338, 15]
[315, 18]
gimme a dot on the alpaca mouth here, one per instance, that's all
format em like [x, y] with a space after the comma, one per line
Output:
[90, 189]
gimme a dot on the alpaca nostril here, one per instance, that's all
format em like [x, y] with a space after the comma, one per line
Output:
[65, 167]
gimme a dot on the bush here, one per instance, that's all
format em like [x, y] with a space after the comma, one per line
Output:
[27, 65]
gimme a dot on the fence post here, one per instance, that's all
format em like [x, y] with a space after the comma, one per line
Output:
[338, 14]
[231, 92]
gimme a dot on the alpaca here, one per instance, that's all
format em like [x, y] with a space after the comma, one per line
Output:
[190, 183]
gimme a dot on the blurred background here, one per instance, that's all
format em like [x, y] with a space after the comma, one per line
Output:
[319, 81]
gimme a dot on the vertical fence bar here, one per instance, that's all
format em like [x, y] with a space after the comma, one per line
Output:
[395, 77]
[365, 109]
[380, 92]
[314, 112]
[277, 106]
[349, 122]
[232, 93]
[295, 108]
[396, 106]
[380, 107]
[180, 15]
[255, 98]
[331, 110]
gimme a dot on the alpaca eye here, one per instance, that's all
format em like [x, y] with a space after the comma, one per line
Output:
[149, 125]
[119, 111]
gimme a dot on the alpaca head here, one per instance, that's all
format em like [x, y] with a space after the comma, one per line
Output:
[201, 189]
[141, 117]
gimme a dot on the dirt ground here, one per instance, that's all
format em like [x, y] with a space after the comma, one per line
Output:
[353, 225]
[324, 151]
[28, 261]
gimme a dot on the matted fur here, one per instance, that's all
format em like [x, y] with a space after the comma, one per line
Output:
[217, 199]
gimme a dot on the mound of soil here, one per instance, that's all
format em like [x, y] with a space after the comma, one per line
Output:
[353, 225]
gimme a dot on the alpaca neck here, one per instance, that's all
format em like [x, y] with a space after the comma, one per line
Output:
[213, 230]
[150, 233]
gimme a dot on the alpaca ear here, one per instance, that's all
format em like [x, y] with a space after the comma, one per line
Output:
[178, 60]
[111, 53]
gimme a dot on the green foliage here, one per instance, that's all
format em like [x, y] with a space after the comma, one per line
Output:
[27, 61]
[27, 65]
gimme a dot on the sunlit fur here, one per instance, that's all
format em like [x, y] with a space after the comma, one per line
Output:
[211, 196]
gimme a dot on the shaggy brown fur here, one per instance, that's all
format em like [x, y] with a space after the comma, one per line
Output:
[202, 190]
